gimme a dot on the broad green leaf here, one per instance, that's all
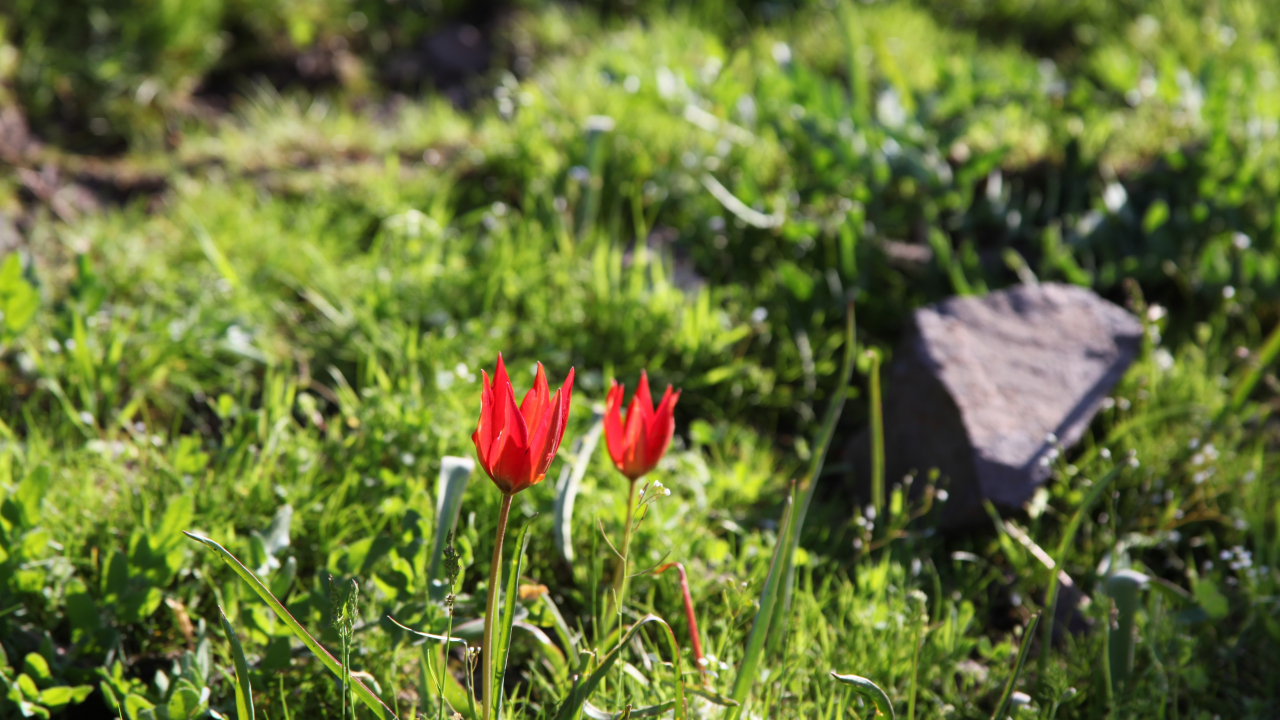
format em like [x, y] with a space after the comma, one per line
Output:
[367, 696]
[584, 687]
[135, 704]
[56, 698]
[28, 687]
[38, 668]
[454, 474]
[244, 692]
[184, 704]
[869, 690]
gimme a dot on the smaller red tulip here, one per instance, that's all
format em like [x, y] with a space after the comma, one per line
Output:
[637, 446]
[516, 445]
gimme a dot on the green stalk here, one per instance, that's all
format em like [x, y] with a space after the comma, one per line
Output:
[877, 438]
[620, 580]
[491, 610]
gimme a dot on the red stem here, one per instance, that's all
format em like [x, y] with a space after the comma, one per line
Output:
[688, 612]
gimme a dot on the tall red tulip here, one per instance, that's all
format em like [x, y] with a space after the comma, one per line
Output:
[516, 445]
[638, 445]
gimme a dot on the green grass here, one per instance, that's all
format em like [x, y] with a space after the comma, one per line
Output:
[301, 315]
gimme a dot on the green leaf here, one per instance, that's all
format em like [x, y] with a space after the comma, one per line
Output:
[585, 687]
[184, 704]
[56, 698]
[135, 704]
[244, 692]
[869, 690]
[454, 474]
[502, 648]
[1211, 599]
[38, 668]
[1156, 216]
[28, 687]
[376, 705]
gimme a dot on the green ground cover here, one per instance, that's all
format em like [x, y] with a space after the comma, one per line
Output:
[277, 345]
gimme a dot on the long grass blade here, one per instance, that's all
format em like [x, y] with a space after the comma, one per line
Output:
[1060, 559]
[827, 431]
[584, 688]
[1267, 355]
[366, 695]
[454, 474]
[1021, 662]
[502, 649]
[748, 668]
[244, 693]
[869, 690]
[596, 713]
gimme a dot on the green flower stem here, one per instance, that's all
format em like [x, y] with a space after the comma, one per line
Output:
[491, 609]
[620, 581]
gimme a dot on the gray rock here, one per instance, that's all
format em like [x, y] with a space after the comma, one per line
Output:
[980, 387]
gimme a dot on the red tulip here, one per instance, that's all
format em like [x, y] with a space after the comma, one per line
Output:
[516, 445]
[637, 446]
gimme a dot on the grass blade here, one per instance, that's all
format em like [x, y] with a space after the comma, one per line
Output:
[454, 474]
[366, 695]
[1265, 356]
[596, 713]
[244, 693]
[582, 691]
[1021, 662]
[1060, 559]
[502, 650]
[782, 612]
[747, 670]
[869, 690]
[570, 481]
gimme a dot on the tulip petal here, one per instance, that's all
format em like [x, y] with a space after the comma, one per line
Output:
[537, 400]
[646, 400]
[500, 374]
[483, 436]
[613, 435]
[632, 437]
[563, 411]
[511, 450]
[663, 425]
[543, 440]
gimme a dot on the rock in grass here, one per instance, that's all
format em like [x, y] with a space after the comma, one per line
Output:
[985, 389]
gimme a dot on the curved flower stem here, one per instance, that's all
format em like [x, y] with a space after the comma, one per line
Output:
[620, 579]
[690, 616]
[491, 610]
